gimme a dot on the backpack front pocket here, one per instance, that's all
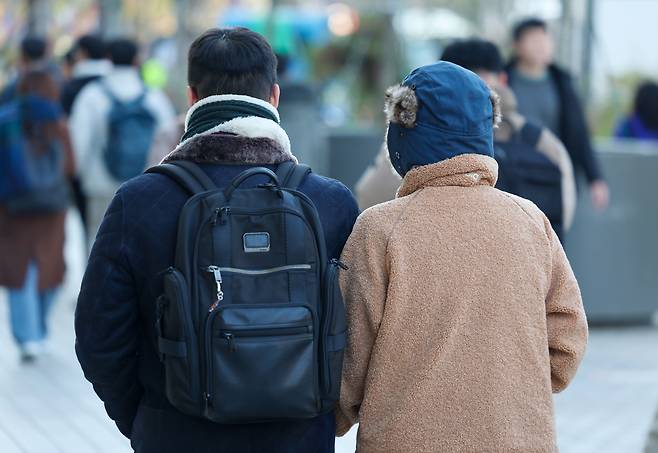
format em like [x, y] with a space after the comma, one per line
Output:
[261, 364]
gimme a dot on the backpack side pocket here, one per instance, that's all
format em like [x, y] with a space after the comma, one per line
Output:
[177, 344]
[334, 335]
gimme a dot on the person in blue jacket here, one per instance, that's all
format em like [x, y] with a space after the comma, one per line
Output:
[115, 316]
[642, 123]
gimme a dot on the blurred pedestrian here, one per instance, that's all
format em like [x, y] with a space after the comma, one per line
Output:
[463, 312]
[112, 124]
[379, 182]
[652, 439]
[37, 159]
[167, 137]
[232, 126]
[642, 123]
[546, 96]
[89, 64]
[515, 135]
[34, 54]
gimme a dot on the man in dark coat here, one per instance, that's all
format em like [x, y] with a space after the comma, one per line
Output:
[546, 96]
[115, 317]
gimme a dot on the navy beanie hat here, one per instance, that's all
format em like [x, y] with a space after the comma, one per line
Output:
[438, 112]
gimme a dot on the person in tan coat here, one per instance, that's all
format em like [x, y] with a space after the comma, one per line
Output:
[379, 183]
[464, 315]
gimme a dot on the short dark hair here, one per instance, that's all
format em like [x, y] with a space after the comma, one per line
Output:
[92, 45]
[526, 25]
[475, 55]
[646, 104]
[231, 61]
[122, 51]
[33, 48]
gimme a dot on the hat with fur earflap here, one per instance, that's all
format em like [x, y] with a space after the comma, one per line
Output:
[439, 111]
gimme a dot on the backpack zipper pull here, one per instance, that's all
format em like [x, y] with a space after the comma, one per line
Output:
[220, 215]
[229, 341]
[223, 214]
[339, 263]
[218, 281]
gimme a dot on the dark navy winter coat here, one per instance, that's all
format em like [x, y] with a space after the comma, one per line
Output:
[115, 320]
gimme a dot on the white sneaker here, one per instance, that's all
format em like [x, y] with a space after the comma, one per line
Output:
[30, 351]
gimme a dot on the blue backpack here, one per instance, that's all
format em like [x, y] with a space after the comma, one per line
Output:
[131, 128]
[31, 181]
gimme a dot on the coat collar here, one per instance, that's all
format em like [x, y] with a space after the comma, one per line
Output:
[466, 170]
[251, 126]
[226, 148]
[244, 140]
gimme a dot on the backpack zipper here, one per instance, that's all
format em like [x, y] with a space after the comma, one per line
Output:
[231, 334]
[272, 270]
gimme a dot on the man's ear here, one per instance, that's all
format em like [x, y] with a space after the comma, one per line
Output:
[192, 96]
[503, 79]
[276, 94]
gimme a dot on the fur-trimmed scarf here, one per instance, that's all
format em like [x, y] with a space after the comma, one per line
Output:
[251, 140]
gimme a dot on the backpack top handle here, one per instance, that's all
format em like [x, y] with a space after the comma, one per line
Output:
[242, 177]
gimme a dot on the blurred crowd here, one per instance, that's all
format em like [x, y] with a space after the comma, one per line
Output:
[73, 112]
[96, 99]
[79, 128]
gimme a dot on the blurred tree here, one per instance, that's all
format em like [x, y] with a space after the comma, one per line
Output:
[110, 20]
[38, 18]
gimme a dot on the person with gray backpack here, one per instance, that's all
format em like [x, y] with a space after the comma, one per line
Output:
[210, 317]
[112, 124]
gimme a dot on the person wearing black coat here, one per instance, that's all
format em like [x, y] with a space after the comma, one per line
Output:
[546, 95]
[116, 313]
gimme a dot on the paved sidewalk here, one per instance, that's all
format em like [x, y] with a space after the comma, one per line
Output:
[48, 407]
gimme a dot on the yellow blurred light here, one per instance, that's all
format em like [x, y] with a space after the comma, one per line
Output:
[342, 19]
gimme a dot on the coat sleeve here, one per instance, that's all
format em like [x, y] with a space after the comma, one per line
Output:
[579, 145]
[364, 286]
[565, 318]
[106, 322]
[553, 149]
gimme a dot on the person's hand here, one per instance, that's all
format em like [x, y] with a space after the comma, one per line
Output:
[600, 194]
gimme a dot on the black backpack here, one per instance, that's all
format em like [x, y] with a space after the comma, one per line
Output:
[251, 325]
[526, 172]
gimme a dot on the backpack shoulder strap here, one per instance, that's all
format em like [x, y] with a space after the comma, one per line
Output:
[198, 173]
[188, 175]
[530, 134]
[292, 175]
[106, 90]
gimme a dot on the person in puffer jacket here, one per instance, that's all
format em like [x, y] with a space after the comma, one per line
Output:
[464, 315]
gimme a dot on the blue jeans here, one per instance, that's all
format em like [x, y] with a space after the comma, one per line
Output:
[29, 308]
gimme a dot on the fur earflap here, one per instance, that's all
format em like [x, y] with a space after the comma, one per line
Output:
[401, 106]
[495, 104]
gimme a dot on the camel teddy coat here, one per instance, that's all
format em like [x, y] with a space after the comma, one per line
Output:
[463, 317]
